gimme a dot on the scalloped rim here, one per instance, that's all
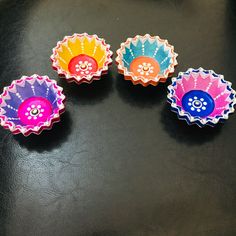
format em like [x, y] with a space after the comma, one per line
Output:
[201, 122]
[27, 130]
[86, 78]
[141, 79]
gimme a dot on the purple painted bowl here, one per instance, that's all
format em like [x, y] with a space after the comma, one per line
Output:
[31, 104]
[201, 97]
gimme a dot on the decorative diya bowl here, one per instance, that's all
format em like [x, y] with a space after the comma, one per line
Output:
[31, 104]
[201, 97]
[146, 60]
[81, 58]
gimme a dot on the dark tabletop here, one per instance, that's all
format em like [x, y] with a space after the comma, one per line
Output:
[119, 163]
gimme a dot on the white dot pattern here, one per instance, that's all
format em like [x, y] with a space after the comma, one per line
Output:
[84, 67]
[197, 104]
[145, 69]
[34, 112]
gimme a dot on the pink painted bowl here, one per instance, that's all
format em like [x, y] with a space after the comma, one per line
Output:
[201, 97]
[31, 104]
[81, 58]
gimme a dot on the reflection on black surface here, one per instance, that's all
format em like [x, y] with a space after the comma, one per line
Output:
[12, 18]
[138, 95]
[102, 233]
[229, 68]
[184, 133]
[88, 93]
[48, 139]
[6, 165]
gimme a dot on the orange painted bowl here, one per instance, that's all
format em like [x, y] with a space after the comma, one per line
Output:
[81, 58]
[146, 60]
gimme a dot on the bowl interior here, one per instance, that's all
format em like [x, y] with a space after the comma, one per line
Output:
[31, 104]
[81, 55]
[146, 58]
[202, 95]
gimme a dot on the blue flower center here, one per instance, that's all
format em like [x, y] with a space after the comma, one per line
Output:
[198, 103]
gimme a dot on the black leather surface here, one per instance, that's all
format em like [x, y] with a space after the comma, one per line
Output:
[119, 163]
